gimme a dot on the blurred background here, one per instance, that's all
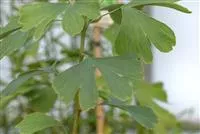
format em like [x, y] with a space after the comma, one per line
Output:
[179, 70]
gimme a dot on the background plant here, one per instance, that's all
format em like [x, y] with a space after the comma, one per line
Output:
[33, 24]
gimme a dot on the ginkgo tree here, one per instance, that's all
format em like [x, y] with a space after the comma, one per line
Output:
[132, 34]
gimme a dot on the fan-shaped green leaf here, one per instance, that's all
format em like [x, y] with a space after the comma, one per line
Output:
[67, 83]
[12, 42]
[39, 15]
[158, 92]
[41, 100]
[35, 122]
[163, 3]
[77, 77]
[117, 71]
[140, 31]
[143, 115]
[13, 87]
[90, 9]
[73, 21]
[146, 92]
[165, 117]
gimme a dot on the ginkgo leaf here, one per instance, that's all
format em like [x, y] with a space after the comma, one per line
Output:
[36, 122]
[39, 15]
[142, 114]
[137, 34]
[12, 42]
[90, 9]
[116, 16]
[13, 86]
[146, 92]
[79, 77]
[163, 3]
[159, 92]
[165, 117]
[67, 83]
[73, 21]
[117, 71]
[31, 15]
[41, 99]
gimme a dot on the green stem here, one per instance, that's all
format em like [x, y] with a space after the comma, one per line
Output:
[77, 112]
[77, 109]
[83, 34]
